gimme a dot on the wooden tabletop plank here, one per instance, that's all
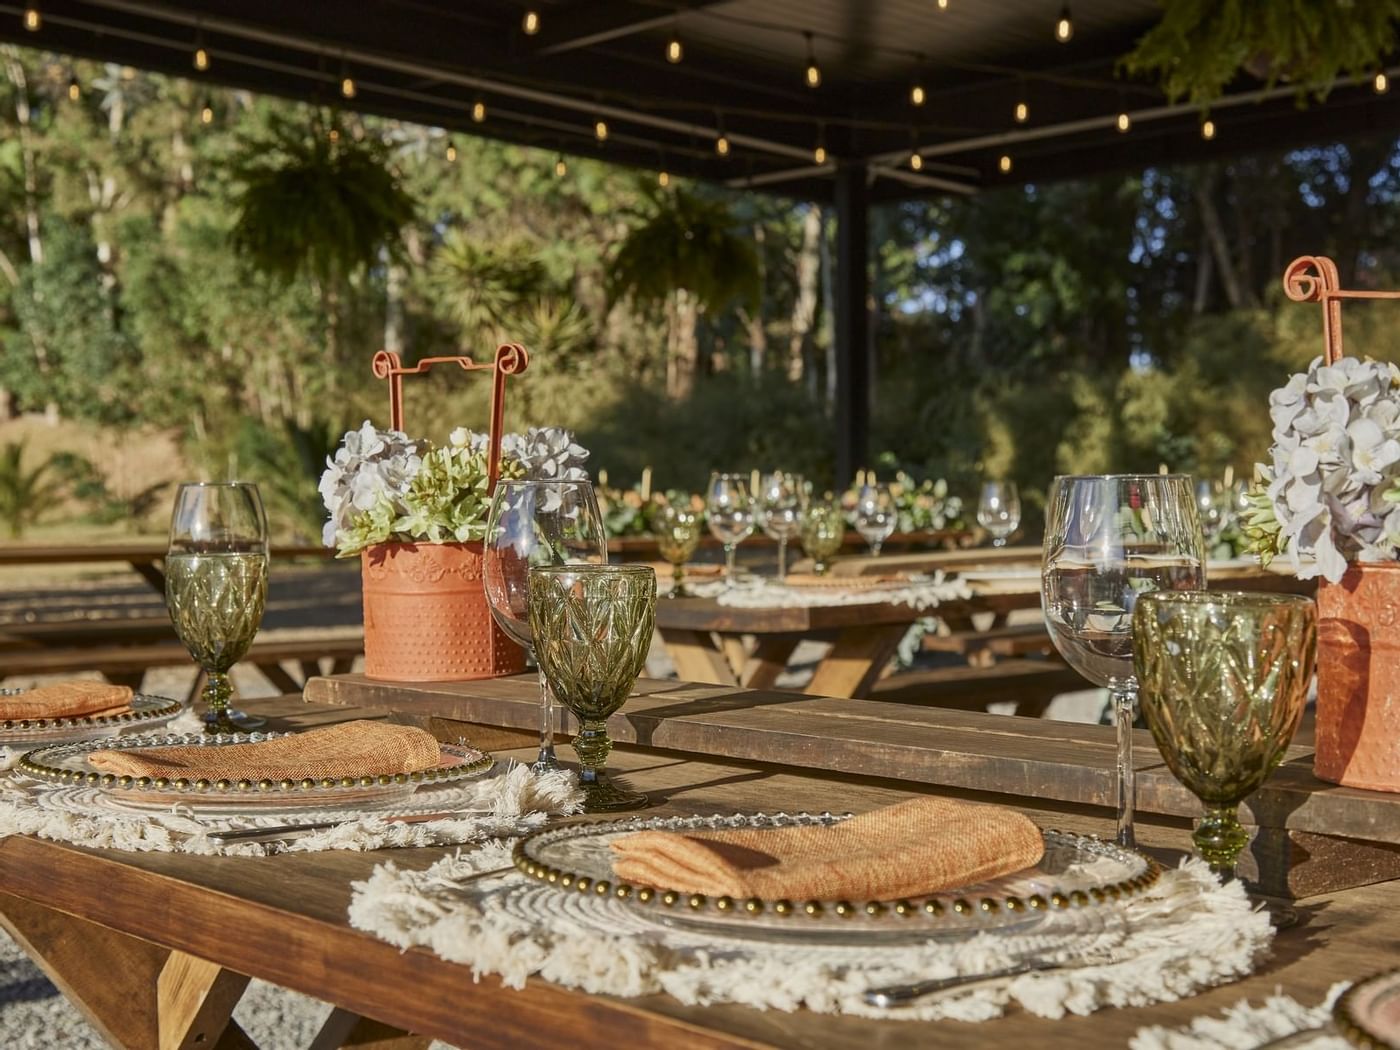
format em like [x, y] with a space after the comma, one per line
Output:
[971, 750]
[136, 553]
[283, 919]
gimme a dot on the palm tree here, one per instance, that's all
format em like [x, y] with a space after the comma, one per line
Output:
[690, 256]
[25, 494]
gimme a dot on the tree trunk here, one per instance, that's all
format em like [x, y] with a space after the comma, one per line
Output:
[393, 308]
[758, 335]
[1214, 226]
[685, 346]
[1205, 270]
[14, 68]
[828, 320]
[804, 307]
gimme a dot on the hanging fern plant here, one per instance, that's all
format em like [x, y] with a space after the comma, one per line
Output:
[317, 201]
[1201, 46]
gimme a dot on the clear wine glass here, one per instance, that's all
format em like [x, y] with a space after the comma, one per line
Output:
[216, 586]
[534, 524]
[876, 515]
[1108, 539]
[999, 510]
[729, 510]
[1213, 508]
[781, 499]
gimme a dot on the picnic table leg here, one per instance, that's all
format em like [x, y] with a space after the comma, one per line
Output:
[278, 677]
[698, 657]
[344, 1029]
[136, 994]
[152, 574]
[736, 651]
[768, 660]
[856, 661]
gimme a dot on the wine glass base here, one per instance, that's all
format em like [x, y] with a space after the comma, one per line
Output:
[546, 762]
[232, 721]
[604, 796]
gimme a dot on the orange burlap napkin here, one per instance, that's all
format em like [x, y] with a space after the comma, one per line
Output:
[76, 699]
[351, 749]
[920, 846]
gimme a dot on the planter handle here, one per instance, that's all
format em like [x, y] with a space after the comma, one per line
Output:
[511, 359]
[1314, 279]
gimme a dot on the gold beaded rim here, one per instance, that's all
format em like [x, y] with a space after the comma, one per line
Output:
[939, 907]
[34, 765]
[153, 707]
[1344, 1017]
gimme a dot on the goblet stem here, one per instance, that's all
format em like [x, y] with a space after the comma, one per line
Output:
[998, 541]
[1219, 838]
[600, 794]
[782, 557]
[875, 548]
[678, 580]
[1125, 710]
[217, 691]
[546, 760]
[729, 564]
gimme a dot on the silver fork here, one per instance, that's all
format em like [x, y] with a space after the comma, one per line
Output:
[893, 996]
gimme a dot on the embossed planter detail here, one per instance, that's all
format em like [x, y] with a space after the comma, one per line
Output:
[426, 616]
[1358, 678]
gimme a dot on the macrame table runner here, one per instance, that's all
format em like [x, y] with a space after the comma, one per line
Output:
[1247, 1025]
[1187, 934]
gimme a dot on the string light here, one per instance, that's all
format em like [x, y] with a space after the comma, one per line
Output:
[531, 23]
[1124, 121]
[917, 95]
[916, 162]
[75, 90]
[722, 144]
[663, 178]
[1207, 129]
[206, 113]
[674, 51]
[819, 153]
[451, 153]
[478, 112]
[334, 135]
[1064, 26]
[814, 72]
[347, 83]
[1004, 164]
[201, 59]
[942, 5]
[1022, 112]
[600, 130]
[1381, 83]
[33, 21]
[560, 168]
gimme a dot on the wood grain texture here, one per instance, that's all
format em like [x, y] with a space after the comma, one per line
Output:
[283, 919]
[345, 1029]
[195, 999]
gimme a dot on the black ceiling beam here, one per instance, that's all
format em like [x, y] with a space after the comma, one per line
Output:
[596, 23]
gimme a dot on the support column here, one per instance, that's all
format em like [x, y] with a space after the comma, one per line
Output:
[852, 327]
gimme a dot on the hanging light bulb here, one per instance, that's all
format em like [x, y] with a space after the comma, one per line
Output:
[942, 5]
[31, 18]
[1381, 83]
[814, 72]
[560, 168]
[917, 95]
[1064, 26]
[916, 162]
[674, 51]
[347, 82]
[1124, 121]
[663, 178]
[478, 112]
[334, 135]
[819, 154]
[206, 112]
[1207, 129]
[451, 152]
[722, 144]
[530, 23]
[1004, 164]
[201, 59]
[75, 90]
[600, 130]
[1022, 112]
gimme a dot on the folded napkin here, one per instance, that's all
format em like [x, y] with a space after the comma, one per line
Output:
[351, 749]
[916, 847]
[75, 699]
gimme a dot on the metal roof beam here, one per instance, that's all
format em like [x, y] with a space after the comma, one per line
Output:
[597, 23]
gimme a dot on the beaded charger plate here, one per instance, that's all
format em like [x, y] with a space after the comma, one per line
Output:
[1368, 1013]
[1077, 874]
[147, 712]
[69, 764]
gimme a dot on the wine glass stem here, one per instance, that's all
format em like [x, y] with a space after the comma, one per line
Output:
[678, 579]
[875, 548]
[546, 722]
[782, 557]
[729, 564]
[1125, 711]
[1219, 838]
[217, 691]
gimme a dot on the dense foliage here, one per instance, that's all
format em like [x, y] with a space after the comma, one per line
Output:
[1109, 323]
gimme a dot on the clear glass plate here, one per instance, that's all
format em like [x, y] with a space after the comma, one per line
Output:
[147, 712]
[1077, 873]
[1368, 1015]
[68, 764]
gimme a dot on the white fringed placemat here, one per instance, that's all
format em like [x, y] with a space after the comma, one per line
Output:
[509, 801]
[761, 592]
[1187, 933]
[1246, 1025]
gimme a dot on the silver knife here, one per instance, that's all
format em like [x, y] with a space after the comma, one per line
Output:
[896, 995]
[282, 832]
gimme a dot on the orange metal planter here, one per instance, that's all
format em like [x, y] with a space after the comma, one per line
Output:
[1358, 678]
[426, 616]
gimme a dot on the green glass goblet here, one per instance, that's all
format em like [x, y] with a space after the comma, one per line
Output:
[677, 536]
[592, 626]
[1222, 679]
[823, 532]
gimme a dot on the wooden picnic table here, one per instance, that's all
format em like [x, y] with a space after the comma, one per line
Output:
[643, 547]
[146, 558]
[156, 948]
[730, 645]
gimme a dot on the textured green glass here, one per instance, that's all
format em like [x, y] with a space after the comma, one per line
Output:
[593, 626]
[1223, 678]
[677, 534]
[823, 532]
